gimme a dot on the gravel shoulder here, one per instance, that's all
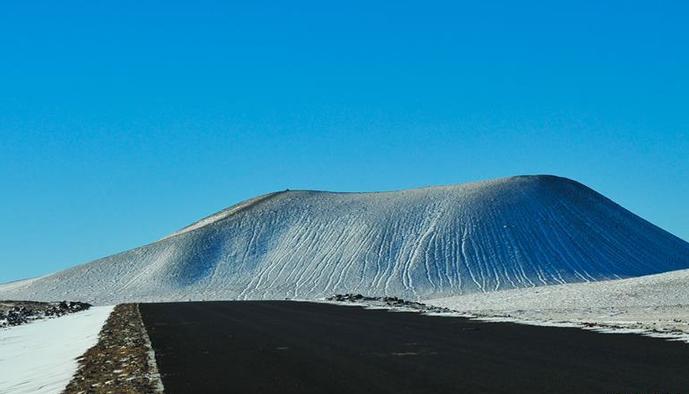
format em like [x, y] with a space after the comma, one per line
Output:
[122, 361]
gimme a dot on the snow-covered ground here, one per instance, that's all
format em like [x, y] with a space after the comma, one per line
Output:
[431, 242]
[40, 357]
[655, 305]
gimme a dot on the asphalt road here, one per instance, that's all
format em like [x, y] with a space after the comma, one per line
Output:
[296, 347]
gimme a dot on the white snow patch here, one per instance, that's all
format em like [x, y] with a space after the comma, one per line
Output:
[41, 357]
[654, 305]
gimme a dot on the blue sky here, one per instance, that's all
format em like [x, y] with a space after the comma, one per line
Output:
[123, 121]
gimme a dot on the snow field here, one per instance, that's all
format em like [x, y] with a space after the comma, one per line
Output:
[41, 357]
[656, 305]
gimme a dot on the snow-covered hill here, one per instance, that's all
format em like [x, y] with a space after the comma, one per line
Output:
[507, 233]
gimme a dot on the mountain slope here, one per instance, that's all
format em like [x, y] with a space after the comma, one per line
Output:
[506, 233]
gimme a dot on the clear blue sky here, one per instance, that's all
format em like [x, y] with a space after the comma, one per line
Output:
[123, 121]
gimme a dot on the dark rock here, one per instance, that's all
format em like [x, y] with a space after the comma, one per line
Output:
[14, 313]
[393, 302]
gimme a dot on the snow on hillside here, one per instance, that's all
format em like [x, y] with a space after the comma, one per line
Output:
[40, 357]
[656, 304]
[508, 233]
[221, 215]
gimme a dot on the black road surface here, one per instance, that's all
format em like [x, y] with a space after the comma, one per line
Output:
[299, 347]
